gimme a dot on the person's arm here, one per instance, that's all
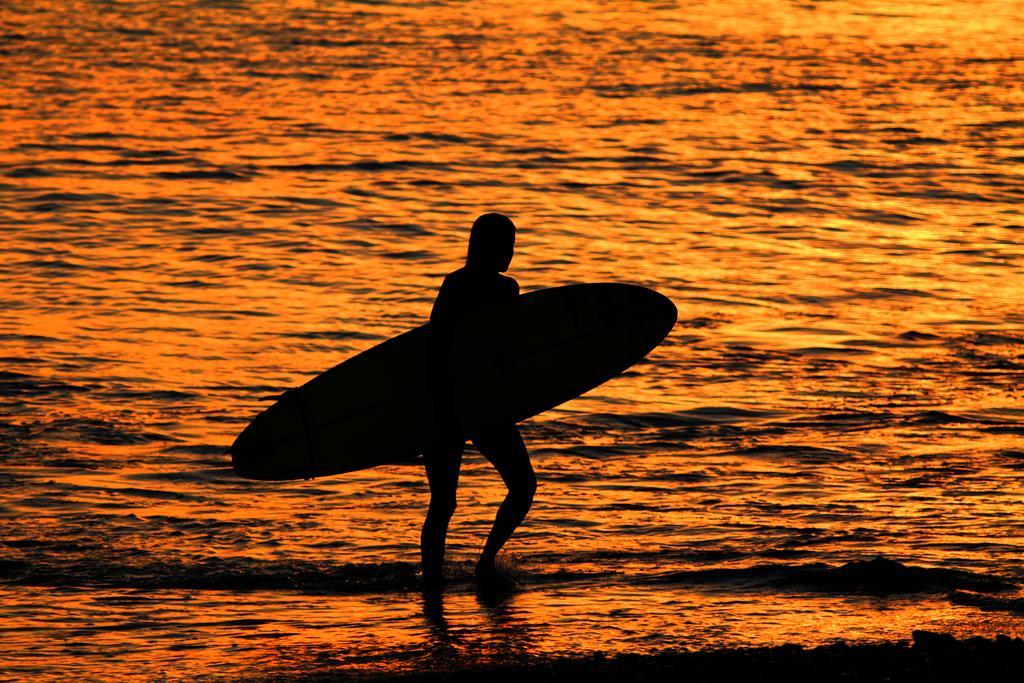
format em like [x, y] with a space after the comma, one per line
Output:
[443, 310]
[442, 317]
[513, 287]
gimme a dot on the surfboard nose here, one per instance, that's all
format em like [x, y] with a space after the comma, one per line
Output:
[668, 309]
[664, 310]
[656, 310]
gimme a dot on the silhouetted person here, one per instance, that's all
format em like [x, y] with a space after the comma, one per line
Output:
[477, 285]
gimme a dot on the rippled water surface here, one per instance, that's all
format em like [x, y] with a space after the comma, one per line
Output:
[205, 203]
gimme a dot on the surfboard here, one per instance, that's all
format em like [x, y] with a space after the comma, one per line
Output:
[500, 365]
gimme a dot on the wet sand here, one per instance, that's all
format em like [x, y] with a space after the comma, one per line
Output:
[929, 657]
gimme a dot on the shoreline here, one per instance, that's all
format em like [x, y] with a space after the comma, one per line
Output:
[929, 656]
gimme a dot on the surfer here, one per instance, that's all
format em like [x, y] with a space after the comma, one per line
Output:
[477, 285]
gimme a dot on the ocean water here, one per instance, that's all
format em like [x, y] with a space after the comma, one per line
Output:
[205, 203]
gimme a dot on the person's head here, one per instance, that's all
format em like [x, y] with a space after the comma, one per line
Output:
[491, 243]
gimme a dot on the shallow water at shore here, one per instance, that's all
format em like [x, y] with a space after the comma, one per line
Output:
[205, 203]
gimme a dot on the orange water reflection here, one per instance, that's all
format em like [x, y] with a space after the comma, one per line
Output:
[204, 203]
[134, 635]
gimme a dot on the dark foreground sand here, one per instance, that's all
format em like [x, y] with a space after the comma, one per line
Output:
[931, 657]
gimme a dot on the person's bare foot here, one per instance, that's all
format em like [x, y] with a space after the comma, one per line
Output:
[433, 582]
[491, 578]
[485, 569]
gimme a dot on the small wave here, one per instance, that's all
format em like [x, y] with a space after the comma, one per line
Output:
[627, 122]
[844, 421]
[50, 566]
[373, 225]
[849, 165]
[1007, 123]
[50, 545]
[303, 75]
[69, 464]
[987, 602]
[701, 322]
[879, 576]
[939, 417]
[331, 335]
[78, 429]
[656, 555]
[152, 395]
[72, 197]
[152, 161]
[20, 384]
[56, 267]
[936, 193]
[150, 154]
[193, 284]
[213, 574]
[914, 335]
[597, 452]
[916, 140]
[823, 331]
[311, 201]
[1014, 455]
[409, 255]
[933, 657]
[154, 494]
[368, 165]
[191, 476]
[48, 563]
[811, 454]
[426, 135]
[1005, 429]
[34, 338]
[105, 135]
[830, 351]
[995, 339]
[29, 171]
[890, 293]
[197, 449]
[711, 415]
[213, 174]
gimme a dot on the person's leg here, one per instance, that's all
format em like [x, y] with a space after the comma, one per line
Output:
[505, 449]
[443, 462]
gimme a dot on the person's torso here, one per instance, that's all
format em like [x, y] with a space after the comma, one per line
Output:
[465, 291]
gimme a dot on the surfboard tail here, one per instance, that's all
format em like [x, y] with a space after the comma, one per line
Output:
[244, 455]
[251, 459]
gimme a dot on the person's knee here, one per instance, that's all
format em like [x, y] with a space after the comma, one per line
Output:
[523, 490]
[443, 506]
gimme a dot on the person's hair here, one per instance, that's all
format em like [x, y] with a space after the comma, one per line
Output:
[492, 233]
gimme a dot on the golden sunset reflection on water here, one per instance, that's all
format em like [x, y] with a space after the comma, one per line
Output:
[205, 203]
